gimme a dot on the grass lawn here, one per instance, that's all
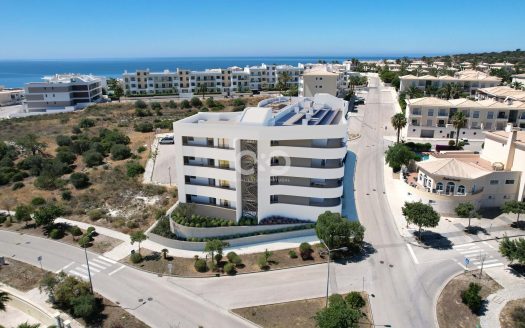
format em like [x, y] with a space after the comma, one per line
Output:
[100, 243]
[298, 314]
[154, 262]
[511, 316]
[451, 311]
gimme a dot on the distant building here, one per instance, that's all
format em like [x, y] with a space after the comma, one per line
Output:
[519, 78]
[284, 158]
[63, 92]
[431, 117]
[486, 180]
[320, 81]
[501, 94]
[469, 80]
[10, 96]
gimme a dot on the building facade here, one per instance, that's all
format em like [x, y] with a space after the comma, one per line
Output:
[10, 96]
[283, 158]
[319, 81]
[63, 92]
[431, 117]
[501, 94]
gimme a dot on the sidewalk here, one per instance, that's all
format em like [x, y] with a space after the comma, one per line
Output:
[513, 288]
[124, 249]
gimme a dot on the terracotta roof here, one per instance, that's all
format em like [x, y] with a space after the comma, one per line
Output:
[465, 103]
[452, 167]
[504, 92]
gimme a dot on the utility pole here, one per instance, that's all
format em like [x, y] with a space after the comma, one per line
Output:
[169, 173]
[329, 251]
[87, 264]
[482, 259]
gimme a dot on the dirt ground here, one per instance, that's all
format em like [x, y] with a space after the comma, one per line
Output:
[100, 244]
[154, 262]
[451, 311]
[506, 319]
[20, 275]
[298, 314]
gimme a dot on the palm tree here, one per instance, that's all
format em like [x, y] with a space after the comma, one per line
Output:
[283, 80]
[414, 92]
[459, 121]
[4, 298]
[399, 121]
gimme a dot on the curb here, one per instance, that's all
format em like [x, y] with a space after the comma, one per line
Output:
[441, 288]
[244, 319]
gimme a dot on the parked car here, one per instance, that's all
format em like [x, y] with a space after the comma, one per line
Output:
[168, 140]
[359, 100]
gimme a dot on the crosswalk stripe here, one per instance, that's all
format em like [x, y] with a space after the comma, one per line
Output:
[81, 269]
[486, 261]
[102, 263]
[90, 268]
[464, 245]
[96, 265]
[116, 270]
[471, 252]
[65, 267]
[490, 265]
[78, 274]
[107, 260]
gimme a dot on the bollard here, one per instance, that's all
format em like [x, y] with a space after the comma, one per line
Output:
[2, 261]
[58, 320]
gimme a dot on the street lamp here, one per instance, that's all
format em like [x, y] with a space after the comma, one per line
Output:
[87, 263]
[329, 251]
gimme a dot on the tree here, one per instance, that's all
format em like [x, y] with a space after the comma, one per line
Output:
[120, 152]
[399, 121]
[185, 104]
[466, 210]
[79, 180]
[28, 325]
[459, 121]
[338, 314]
[30, 143]
[215, 246]
[138, 237]
[195, 102]
[282, 81]
[23, 213]
[4, 298]
[93, 158]
[398, 155]
[517, 85]
[337, 231]
[164, 252]
[513, 250]
[471, 297]
[203, 90]
[47, 214]
[86, 123]
[515, 207]
[114, 85]
[84, 306]
[140, 104]
[420, 214]
[133, 168]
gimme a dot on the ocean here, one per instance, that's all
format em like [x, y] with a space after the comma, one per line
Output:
[15, 73]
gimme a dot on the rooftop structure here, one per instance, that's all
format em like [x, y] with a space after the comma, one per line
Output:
[501, 93]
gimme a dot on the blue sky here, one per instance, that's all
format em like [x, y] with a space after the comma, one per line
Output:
[49, 29]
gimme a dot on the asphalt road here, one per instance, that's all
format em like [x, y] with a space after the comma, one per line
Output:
[404, 281]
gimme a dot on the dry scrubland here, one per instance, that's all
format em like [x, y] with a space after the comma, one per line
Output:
[112, 199]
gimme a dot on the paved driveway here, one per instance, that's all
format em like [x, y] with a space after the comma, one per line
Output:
[164, 169]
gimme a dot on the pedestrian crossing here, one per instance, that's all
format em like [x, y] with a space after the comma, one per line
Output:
[96, 265]
[477, 255]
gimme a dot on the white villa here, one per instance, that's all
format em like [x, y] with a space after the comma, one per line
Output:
[285, 158]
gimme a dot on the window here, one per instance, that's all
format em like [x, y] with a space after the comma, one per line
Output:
[430, 112]
[509, 181]
[461, 190]
[451, 186]
[439, 186]
[476, 114]
[494, 182]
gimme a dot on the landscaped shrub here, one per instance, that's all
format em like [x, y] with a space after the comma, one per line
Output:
[63, 140]
[86, 123]
[185, 104]
[75, 231]
[90, 230]
[48, 182]
[195, 102]
[231, 255]
[56, 234]
[229, 268]
[37, 201]
[133, 169]
[66, 195]
[66, 157]
[96, 214]
[140, 104]
[471, 297]
[120, 152]
[79, 180]
[262, 262]
[135, 257]
[355, 300]
[143, 127]
[306, 251]
[518, 316]
[200, 265]
[292, 254]
[237, 261]
[172, 104]
[76, 130]
[141, 149]
[19, 176]
[18, 185]
[84, 241]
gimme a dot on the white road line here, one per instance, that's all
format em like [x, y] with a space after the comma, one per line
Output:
[96, 265]
[461, 265]
[464, 245]
[478, 262]
[81, 269]
[90, 268]
[78, 274]
[490, 265]
[412, 254]
[107, 260]
[116, 270]
[489, 245]
[101, 263]
[65, 267]
[471, 252]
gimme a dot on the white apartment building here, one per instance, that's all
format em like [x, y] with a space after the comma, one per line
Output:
[320, 80]
[10, 96]
[63, 92]
[469, 80]
[285, 158]
[431, 117]
[488, 179]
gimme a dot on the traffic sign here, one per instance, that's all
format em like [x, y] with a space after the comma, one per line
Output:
[466, 261]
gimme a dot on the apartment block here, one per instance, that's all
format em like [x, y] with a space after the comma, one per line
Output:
[431, 117]
[284, 158]
[315, 81]
[10, 96]
[63, 92]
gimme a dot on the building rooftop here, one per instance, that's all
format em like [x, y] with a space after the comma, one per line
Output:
[70, 78]
[467, 75]
[465, 103]
[504, 92]
[504, 135]
[319, 71]
[463, 168]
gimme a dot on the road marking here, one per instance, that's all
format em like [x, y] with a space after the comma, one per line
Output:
[78, 274]
[490, 265]
[101, 263]
[470, 252]
[98, 266]
[107, 260]
[486, 261]
[116, 270]
[412, 253]
[65, 267]
[90, 268]
[81, 269]
[461, 265]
